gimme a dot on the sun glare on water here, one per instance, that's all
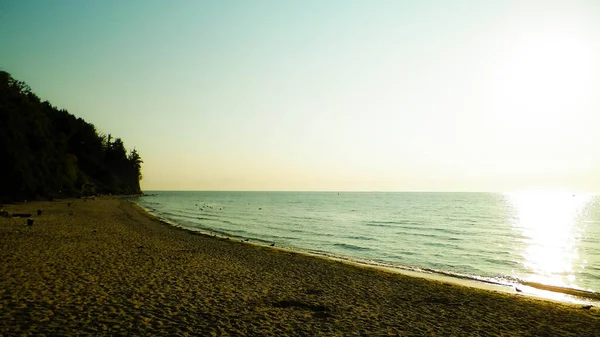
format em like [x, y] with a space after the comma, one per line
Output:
[550, 226]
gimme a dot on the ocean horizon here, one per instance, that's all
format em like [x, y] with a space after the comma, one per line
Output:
[513, 239]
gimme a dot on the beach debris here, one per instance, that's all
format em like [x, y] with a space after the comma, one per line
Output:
[587, 307]
[272, 245]
[29, 222]
[39, 212]
[246, 240]
[518, 290]
[21, 215]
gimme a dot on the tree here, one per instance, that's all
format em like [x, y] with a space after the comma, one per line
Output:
[45, 151]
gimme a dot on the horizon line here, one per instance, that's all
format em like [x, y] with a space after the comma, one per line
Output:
[574, 192]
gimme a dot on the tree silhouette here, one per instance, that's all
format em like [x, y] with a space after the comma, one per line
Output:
[47, 152]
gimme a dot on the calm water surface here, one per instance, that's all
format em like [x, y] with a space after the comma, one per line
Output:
[548, 238]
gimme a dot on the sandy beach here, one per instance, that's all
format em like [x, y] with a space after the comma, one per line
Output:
[105, 267]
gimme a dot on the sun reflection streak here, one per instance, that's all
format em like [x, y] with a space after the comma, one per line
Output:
[550, 227]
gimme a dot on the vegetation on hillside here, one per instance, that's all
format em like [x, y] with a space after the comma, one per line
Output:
[46, 152]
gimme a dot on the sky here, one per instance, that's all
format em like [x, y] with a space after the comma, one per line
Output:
[325, 94]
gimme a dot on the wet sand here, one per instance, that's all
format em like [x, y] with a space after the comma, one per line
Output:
[106, 267]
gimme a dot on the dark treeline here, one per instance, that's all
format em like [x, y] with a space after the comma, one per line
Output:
[46, 152]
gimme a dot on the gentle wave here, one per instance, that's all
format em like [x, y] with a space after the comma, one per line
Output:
[363, 238]
[351, 247]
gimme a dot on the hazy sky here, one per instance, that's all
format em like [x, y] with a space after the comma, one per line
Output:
[326, 95]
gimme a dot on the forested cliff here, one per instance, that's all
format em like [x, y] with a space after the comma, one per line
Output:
[46, 152]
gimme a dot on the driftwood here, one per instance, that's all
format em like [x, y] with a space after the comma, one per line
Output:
[21, 215]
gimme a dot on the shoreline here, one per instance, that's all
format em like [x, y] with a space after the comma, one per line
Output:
[105, 267]
[529, 289]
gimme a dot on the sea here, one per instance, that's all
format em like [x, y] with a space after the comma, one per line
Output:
[522, 240]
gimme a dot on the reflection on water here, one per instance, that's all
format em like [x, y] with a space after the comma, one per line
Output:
[551, 226]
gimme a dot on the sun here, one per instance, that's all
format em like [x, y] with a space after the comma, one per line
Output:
[542, 79]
